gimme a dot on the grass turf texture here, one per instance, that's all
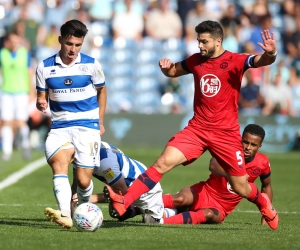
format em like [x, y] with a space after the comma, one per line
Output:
[24, 226]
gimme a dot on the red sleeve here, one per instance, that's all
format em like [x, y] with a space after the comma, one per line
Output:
[266, 167]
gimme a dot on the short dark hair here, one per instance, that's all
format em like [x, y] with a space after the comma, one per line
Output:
[211, 27]
[73, 28]
[255, 129]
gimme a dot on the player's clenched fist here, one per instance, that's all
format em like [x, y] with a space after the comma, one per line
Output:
[41, 105]
[166, 63]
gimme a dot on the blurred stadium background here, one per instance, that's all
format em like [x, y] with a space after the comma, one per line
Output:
[124, 37]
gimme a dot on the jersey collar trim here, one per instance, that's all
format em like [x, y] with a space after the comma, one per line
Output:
[59, 61]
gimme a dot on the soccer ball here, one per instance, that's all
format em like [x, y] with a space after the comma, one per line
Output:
[87, 217]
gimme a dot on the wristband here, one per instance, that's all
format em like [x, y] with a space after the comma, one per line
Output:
[273, 54]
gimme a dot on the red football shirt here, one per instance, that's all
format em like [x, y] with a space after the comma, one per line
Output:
[219, 188]
[217, 87]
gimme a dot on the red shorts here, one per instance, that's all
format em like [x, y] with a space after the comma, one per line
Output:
[225, 146]
[205, 200]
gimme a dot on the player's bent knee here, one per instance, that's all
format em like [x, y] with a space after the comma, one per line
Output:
[83, 183]
[163, 165]
[212, 216]
[241, 191]
[180, 200]
[239, 185]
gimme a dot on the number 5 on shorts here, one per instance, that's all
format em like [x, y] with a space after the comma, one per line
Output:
[239, 157]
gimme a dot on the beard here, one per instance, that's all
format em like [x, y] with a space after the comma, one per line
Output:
[210, 53]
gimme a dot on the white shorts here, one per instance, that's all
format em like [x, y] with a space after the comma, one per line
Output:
[14, 107]
[85, 141]
[152, 201]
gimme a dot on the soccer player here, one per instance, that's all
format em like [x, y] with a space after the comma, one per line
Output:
[17, 89]
[74, 86]
[119, 171]
[214, 126]
[213, 200]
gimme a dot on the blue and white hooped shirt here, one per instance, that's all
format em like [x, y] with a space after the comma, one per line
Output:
[114, 164]
[72, 90]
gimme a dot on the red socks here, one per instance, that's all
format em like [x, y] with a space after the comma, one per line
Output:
[141, 185]
[168, 201]
[190, 217]
[256, 197]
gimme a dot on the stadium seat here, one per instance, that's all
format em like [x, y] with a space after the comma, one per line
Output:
[44, 52]
[146, 84]
[147, 56]
[150, 43]
[99, 28]
[121, 84]
[122, 69]
[121, 101]
[123, 43]
[123, 56]
[147, 70]
[173, 44]
[147, 103]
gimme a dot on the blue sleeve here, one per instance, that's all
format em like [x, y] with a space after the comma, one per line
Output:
[29, 60]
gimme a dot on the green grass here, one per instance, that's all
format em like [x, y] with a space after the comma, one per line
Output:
[23, 225]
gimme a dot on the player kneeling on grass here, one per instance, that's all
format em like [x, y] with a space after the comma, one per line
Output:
[119, 171]
[212, 200]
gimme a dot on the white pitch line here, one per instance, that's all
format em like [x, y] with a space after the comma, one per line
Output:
[255, 211]
[26, 170]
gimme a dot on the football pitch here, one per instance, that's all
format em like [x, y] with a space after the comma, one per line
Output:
[24, 226]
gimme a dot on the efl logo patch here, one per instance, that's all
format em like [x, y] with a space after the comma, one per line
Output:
[210, 85]
[109, 173]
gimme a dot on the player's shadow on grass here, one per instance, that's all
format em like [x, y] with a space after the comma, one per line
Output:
[212, 227]
[38, 223]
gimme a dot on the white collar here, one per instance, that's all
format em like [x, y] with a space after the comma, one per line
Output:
[59, 61]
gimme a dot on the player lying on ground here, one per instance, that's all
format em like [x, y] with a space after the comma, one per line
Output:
[213, 200]
[119, 171]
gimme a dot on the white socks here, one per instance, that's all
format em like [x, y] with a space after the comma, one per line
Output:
[7, 140]
[84, 195]
[62, 193]
[24, 132]
[170, 212]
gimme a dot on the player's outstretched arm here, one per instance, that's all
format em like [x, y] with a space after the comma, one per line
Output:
[266, 187]
[102, 97]
[268, 44]
[171, 69]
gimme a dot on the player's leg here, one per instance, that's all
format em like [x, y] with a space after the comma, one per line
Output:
[7, 136]
[85, 184]
[62, 190]
[86, 158]
[226, 147]
[7, 116]
[24, 131]
[170, 158]
[185, 146]
[151, 203]
[204, 215]
[59, 153]
[250, 191]
[22, 116]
